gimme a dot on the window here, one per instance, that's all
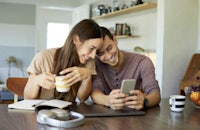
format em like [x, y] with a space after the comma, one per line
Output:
[56, 34]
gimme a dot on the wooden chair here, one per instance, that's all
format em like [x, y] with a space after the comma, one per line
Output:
[192, 74]
[16, 85]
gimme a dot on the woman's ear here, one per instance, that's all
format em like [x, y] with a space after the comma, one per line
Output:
[76, 39]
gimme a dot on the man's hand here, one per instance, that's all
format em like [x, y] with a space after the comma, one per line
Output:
[135, 100]
[116, 99]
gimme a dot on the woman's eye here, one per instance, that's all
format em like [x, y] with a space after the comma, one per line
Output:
[92, 48]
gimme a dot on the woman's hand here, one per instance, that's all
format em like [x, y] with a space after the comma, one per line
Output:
[46, 80]
[75, 74]
[116, 99]
[35, 82]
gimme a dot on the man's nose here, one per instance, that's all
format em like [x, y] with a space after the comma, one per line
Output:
[107, 56]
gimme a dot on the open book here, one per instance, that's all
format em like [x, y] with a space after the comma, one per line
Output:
[39, 104]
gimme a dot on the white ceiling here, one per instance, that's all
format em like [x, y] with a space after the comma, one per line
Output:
[67, 4]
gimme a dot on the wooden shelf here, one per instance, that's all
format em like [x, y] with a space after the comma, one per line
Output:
[137, 8]
[126, 36]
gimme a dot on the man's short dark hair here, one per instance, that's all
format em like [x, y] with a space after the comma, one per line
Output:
[106, 32]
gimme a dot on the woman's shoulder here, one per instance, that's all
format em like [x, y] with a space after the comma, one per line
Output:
[42, 61]
[47, 52]
[44, 55]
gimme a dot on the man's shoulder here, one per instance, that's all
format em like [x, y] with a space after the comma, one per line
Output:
[100, 65]
[133, 55]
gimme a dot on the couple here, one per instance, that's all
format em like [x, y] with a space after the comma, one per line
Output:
[76, 60]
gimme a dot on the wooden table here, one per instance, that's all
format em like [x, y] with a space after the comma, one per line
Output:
[156, 118]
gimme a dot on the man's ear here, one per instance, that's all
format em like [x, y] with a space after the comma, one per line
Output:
[115, 39]
[76, 39]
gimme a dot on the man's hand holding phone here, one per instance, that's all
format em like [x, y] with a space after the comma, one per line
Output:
[128, 85]
[116, 99]
[135, 98]
[126, 96]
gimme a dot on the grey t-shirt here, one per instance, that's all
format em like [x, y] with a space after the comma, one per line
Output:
[135, 66]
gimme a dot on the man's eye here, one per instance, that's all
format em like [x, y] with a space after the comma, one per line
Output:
[99, 54]
[109, 48]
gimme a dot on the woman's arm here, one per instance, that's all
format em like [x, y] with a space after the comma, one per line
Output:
[85, 89]
[79, 74]
[32, 89]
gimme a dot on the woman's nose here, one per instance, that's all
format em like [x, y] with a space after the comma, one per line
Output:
[93, 54]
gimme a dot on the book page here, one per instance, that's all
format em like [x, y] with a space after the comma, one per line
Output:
[33, 104]
[25, 104]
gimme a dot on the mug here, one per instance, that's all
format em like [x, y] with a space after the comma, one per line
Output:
[61, 85]
[177, 103]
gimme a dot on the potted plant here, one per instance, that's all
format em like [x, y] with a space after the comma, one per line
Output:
[1, 82]
[2, 85]
[12, 59]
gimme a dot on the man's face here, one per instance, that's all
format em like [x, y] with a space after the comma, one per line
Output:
[109, 52]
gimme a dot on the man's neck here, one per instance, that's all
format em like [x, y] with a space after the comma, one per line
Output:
[120, 62]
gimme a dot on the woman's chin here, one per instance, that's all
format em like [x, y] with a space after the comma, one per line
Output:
[83, 61]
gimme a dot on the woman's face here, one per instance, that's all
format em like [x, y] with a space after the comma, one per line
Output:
[87, 50]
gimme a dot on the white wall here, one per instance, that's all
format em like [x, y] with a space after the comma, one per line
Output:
[80, 13]
[177, 41]
[199, 28]
[43, 16]
[17, 35]
[17, 24]
[143, 24]
[171, 30]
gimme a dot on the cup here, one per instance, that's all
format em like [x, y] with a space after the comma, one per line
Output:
[177, 103]
[61, 85]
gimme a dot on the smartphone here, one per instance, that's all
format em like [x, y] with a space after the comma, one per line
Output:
[127, 85]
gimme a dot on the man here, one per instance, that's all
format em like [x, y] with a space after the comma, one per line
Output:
[114, 65]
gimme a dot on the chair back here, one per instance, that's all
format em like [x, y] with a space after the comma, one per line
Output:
[192, 74]
[16, 85]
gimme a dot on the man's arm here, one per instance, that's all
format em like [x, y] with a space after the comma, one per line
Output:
[100, 98]
[137, 99]
[115, 100]
[153, 99]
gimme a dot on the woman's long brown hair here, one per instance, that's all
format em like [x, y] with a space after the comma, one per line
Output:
[67, 56]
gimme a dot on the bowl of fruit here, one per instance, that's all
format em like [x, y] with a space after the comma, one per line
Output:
[193, 94]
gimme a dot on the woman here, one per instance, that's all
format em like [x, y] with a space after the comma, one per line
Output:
[74, 60]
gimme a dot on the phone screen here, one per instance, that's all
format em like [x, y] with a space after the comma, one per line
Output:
[127, 85]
